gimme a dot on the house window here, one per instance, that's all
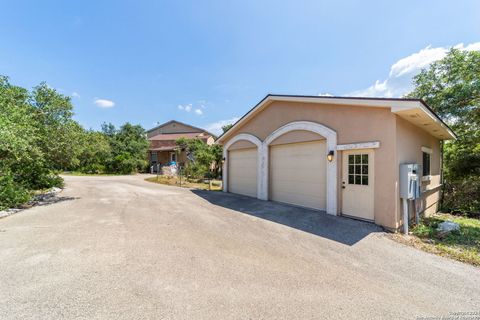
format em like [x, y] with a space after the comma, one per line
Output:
[426, 164]
[358, 169]
[426, 160]
[153, 157]
[173, 157]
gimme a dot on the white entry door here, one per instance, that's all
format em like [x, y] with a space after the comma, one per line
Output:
[357, 183]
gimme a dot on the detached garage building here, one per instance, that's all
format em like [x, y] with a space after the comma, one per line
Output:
[335, 154]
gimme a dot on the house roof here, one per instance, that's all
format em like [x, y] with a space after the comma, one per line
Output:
[415, 111]
[164, 148]
[194, 129]
[175, 136]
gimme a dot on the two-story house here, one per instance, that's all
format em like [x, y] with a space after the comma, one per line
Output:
[163, 149]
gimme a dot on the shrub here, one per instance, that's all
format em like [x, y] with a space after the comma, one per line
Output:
[123, 163]
[12, 194]
[94, 168]
[462, 196]
[52, 180]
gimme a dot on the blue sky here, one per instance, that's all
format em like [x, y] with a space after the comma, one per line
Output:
[208, 62]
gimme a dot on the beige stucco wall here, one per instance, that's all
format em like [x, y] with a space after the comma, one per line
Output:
[352, 124]
[410, 140]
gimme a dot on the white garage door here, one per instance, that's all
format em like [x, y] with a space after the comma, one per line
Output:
[298, 174]
[242, 172]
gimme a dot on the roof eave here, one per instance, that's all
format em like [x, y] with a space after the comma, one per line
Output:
[359, 101]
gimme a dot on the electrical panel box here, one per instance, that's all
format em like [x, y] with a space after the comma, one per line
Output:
[410, 177]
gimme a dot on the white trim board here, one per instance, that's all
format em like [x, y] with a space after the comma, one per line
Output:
[359, 145]
[427, 150]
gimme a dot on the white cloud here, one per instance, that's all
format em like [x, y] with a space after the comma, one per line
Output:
[187, 107]
[75, 94]
[104, 103]
[471, 47]
[417, 61]
[325, 95]
[216, 127]
[399, 81]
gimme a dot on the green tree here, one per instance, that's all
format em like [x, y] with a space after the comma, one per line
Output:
[20, 152]
[95, 153]
[129, 148]
[227, 127]
[204, 160]
[58, 132]
[20, 157]
[26, 141]
[19, 133]
[451, 86]
[109, 130]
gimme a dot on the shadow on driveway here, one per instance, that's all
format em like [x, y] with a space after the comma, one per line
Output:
[340, 229]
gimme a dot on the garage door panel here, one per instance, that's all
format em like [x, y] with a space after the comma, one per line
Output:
[300, 200]
[242, 172]
[298, 174]
[300, 187]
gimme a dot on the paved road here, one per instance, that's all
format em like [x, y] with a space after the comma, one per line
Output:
[122, 248]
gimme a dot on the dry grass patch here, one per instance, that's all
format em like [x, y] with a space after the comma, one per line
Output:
[213, 185]
[462, 245]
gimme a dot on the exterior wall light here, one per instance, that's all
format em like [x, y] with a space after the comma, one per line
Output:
[223, 160]
[330, 156]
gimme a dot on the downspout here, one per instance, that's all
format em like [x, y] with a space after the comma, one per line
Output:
[442, 193]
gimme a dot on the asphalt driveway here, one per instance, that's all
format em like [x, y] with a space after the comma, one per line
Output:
[123, 248]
